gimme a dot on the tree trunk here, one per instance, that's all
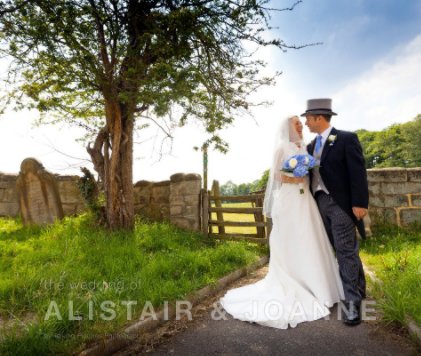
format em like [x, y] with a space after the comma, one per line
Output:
[118, 178]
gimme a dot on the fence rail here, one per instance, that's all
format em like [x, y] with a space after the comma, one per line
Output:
[243, 198]
[236, 223]
[237, 210]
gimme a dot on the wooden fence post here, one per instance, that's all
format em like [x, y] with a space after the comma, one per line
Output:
[219, 215]
[258, 217]
[205, 213]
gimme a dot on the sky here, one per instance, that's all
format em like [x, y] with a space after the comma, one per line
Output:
[368, 62]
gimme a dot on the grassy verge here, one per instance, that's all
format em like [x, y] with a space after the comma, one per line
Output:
[72, 268]
[395, 256]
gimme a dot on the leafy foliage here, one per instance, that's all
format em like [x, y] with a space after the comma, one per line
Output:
[70, 56]
[89, 190]
[103, 64]
[396, 146]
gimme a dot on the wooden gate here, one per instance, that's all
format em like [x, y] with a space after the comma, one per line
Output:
[215, 225]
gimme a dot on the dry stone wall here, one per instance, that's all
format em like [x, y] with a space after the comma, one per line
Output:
[176, 200]
[72, 201]
[9, 205]
[152, 200]
[395, 195]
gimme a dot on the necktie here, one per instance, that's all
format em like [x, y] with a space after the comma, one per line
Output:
[318, 144]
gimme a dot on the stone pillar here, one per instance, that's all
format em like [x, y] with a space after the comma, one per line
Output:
[9, 205]
[395, 195]
[185, 201]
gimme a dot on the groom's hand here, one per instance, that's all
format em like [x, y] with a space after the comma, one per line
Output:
[359, 212]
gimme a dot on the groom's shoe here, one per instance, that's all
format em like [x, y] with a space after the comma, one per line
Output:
[351, 313]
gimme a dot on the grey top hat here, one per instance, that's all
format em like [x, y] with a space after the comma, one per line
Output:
[319, 106]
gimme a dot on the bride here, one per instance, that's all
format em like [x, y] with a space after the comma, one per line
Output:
[303, 279]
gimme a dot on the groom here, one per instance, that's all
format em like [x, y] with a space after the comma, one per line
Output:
[340, 188]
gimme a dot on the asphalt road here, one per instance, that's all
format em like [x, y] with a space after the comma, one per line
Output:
[206, 336]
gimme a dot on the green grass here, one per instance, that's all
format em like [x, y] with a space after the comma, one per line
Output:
[395, 256]
[75, 261]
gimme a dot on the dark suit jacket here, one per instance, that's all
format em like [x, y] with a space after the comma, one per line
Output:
[342, 168]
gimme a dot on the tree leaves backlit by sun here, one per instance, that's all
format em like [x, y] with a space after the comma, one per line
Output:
[103, 64]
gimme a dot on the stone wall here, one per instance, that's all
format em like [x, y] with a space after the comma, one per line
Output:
[176, 200]
[70, 196]
[9, 205]
[152, 199]
[71, 199]
[395, 195]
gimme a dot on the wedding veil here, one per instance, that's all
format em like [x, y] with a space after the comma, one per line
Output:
[286, 134]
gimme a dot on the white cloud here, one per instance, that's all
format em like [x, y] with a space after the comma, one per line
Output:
[387, 93]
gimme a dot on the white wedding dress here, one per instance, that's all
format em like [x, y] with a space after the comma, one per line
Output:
[303, 279]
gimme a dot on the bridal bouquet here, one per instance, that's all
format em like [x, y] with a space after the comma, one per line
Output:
[299, 166]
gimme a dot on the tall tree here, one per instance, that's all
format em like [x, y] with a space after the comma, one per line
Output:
[398, 145]
[105, 63]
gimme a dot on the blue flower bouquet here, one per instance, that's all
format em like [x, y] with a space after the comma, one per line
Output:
[299, 166]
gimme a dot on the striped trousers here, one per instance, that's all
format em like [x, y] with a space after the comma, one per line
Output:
[342, 235]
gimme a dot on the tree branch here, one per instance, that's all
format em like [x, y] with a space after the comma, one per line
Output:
[96, 152]
[4, 10]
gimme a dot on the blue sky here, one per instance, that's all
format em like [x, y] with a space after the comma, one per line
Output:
[369, 64]
[354, 34]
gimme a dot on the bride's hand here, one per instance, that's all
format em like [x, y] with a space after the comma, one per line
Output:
[294, 180]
